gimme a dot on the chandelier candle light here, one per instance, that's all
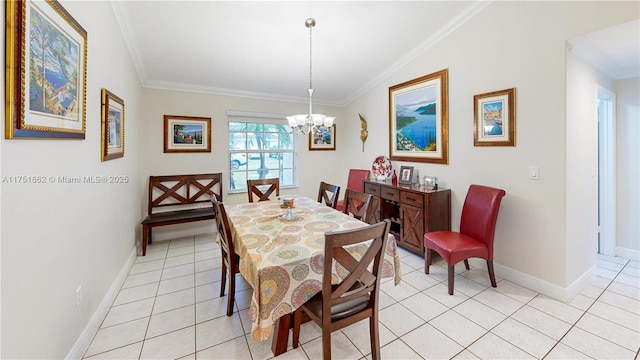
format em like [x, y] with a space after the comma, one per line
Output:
[309, 123]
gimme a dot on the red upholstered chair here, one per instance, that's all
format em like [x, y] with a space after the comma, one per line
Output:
[475, 239]
[354, 182]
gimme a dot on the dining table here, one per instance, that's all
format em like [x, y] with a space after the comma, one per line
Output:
[281, 255]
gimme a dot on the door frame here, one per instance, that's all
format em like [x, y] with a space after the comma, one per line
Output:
[606, 120]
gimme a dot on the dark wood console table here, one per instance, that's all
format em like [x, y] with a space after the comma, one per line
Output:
[412, 211]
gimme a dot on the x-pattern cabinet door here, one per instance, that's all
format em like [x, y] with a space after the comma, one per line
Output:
[412, 227]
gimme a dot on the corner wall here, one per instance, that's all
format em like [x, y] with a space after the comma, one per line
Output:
[314, 166]
[57, 237]
[521, 45]
[628, 167]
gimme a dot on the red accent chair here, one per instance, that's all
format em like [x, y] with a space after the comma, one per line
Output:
[354, 182]
[475, 239]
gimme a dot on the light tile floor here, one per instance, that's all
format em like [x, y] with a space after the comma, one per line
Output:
[169, 308]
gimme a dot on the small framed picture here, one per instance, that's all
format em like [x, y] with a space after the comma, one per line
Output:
[494, 118]
[323, 139]
[406, 175]
[187, 134]
[112, 142]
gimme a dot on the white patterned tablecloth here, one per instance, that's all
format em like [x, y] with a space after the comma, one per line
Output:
[283, 260]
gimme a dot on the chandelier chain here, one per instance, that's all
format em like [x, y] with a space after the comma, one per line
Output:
[309, 123]
[310, 58]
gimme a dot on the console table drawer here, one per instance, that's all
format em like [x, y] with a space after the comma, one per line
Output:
[372, 189]
[409, 198]
[390, 194]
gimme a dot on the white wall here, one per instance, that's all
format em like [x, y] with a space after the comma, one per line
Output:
[314, 166]
[582, 164]
[56, 237]
[628, 168]
[521, 45]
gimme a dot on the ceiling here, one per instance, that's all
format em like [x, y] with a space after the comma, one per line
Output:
[614, 50]
[260, 49]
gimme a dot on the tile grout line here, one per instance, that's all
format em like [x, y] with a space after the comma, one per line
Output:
[583, 314]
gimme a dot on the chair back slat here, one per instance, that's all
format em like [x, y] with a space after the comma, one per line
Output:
[224, 231]
[363, 271]
[357, 204]
[328, 194]
[253, 188]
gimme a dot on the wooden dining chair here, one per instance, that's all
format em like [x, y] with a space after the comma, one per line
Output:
[329, 194]
[354, 182]
[252, 188]
[475, 239]
[230, 260]
[355, 296]
[357, 203]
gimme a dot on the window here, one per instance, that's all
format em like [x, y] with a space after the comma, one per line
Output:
[261, 146]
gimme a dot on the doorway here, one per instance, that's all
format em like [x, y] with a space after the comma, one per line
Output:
[606, 105]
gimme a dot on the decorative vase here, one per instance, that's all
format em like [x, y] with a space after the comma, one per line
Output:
[394, 178]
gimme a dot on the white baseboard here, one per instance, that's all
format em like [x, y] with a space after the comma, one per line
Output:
[84, 340]
[628, 253]
[533, 283]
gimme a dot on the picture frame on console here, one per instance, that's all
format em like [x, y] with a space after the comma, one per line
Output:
[406, 175]
[419, 120]
[494, 118]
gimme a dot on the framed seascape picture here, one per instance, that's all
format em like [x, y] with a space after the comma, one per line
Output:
[46, 72]
[418, 119]
[494, 118]
[406, 175]
[112, 143]
[187, 134]
[323, 139]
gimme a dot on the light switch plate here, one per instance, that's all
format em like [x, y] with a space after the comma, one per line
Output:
[534, 173]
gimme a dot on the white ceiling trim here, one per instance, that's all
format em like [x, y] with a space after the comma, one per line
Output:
[122, 17]
[173, 86]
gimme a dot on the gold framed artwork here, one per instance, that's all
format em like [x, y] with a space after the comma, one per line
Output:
[112, 143]
[46, 72]
[494, 118]
[184, 134]
[323, 139]
[419, 119]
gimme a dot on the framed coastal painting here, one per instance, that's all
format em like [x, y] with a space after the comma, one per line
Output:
[187, 134]
[112, 129]
[45, 72]
[494, 118]
[418, 119]
[323, 139]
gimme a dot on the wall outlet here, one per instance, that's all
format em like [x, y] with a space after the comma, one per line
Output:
[78, 295]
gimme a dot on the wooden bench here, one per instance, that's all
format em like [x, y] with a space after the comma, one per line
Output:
[175, 199]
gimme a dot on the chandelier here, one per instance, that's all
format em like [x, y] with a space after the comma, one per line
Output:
[304, 124]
